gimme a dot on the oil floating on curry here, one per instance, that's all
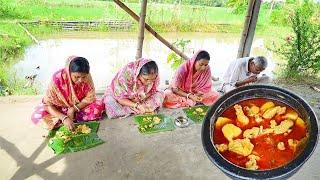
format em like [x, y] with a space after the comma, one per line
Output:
[260, 134]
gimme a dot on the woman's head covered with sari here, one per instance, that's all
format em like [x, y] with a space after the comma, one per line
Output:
[136, 80]
[71, 85]
[194, 75]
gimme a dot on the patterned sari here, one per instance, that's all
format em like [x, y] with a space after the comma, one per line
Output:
[198, 83]
[126, 85]
[63, 94]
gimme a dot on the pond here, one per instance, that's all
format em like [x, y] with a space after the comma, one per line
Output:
[108, 52]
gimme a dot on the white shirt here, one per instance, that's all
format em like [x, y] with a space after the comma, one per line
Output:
[238, 70]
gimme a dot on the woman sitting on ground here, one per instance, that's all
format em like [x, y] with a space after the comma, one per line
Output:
[70, 97]
[192, 83]
[134, 90]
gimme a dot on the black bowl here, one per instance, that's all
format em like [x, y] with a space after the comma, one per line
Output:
[251, 92]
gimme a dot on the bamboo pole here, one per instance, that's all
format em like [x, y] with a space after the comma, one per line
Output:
[249, 28]
[152, 31]
[29, 34]
[141, 28]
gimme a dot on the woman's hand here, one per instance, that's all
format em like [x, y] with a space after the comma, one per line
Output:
[68, 123]
[141, 109]
[71, 113]
[196, 98]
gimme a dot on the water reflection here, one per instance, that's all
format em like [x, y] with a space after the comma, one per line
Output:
[107, 52]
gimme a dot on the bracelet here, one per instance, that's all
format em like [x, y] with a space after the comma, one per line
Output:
[75, 106]
[188, 95]
[64, 118]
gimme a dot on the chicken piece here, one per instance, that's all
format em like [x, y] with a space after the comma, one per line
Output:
[281, 110]
[300, 122]
[281, 146]
[241, 146]
[200, 110]
[222, 147]
[252, 111]
[231, 131]
[156, 120]
[251, 133]
[271, 112]
[243, 119]
[291, 115]
[252, 163]
[293, 144]
[221, 121]
[273, 124]
[84, 129]
[258, 118]
[283, 127]
[267, 106]
[267, 131]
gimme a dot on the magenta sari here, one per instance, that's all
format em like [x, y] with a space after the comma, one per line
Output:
[126, 85]
[63, 94]
[198, 83]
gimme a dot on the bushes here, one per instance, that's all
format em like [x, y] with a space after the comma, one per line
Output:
[8, 10]
[302, 49]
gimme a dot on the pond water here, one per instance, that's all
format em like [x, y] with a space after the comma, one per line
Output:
[108, 52]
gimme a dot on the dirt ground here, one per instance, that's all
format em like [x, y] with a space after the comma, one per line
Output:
[126, 154]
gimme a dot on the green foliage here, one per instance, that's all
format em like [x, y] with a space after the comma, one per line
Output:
[238, 6]
[8, 10]
[173, 58]
[302, 49]
[279, 17]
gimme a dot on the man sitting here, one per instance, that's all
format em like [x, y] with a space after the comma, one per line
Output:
[244, 71]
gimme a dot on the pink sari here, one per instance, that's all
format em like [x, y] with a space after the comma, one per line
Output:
[63, 94]
[126, 85]
[198, 83]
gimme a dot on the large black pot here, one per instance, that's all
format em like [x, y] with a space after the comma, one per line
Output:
[259, 91]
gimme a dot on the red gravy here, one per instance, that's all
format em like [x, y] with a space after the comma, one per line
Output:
[265, 146]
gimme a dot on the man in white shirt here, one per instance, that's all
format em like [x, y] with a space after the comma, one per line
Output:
[243, 71]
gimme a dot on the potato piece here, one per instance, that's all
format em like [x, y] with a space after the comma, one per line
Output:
[222, 147]
[300, 122]
[258, 118]
[283, 127]
[252, 163]
[267, 106]
[243, 119]
[252, 111]
[231, 131]
[156, 120]
[271, 112]
[221, 121]
[281, 146]
[291, 115]
[241, 146]
[251, 133]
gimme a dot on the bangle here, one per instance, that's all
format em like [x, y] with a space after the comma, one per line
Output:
[188, 95]
[136, 105]
[64, 118]
[75, 106]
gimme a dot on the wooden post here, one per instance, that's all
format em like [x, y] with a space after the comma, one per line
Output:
[249, 28]
[29, 34]
[141, 28]
[153, 32]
